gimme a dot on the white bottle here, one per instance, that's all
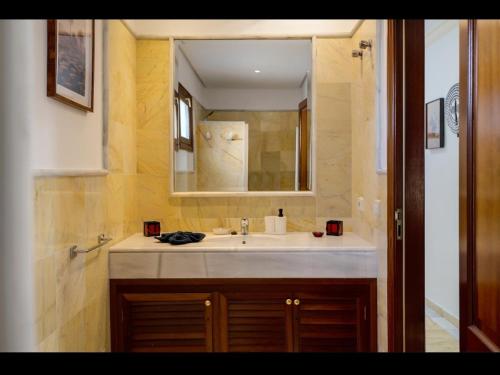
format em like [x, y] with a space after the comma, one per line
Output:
[280, 223]
[269, 224]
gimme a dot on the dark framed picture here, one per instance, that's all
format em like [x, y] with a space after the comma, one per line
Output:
[70, 62]
[434, 124]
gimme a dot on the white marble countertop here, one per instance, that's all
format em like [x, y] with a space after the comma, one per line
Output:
[294, 255]
[255, 242]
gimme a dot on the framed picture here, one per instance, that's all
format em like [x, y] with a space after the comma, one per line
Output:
[434, 124]
[70, 62]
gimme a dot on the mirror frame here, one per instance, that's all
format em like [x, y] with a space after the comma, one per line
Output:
[274, 193]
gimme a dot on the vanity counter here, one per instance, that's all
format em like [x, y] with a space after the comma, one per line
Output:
[255, 242]
[295, 254]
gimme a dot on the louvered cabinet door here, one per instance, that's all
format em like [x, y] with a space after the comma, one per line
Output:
[330, 323]
[167, 322]
[255, 322]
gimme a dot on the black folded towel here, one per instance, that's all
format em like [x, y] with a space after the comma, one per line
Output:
[180, 238]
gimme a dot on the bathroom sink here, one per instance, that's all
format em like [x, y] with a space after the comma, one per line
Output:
[295, 254]
[252, 239]
[253, 242]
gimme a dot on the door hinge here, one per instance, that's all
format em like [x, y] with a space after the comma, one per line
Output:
[364, 313]
[123, 316]
[398, 217]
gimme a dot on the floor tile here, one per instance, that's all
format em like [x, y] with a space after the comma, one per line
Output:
[437, 339]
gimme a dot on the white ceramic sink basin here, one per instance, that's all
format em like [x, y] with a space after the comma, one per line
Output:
[249, 239]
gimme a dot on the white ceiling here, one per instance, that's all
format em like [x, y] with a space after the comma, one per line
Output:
[241, 28]
[283, 64]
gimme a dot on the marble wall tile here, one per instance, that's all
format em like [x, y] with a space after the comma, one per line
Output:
[140, 265]
[45, 279]
[96, 271]
[220, 164]
[334, 52]
[44, 243]
[122, 115]
[202, 214]
[96, 318]
[59, 216]
[273, 264]
[70, 285]
[365, 181]
[50, 343]
[183, 265]
[71, 334]
[271, 147]
[153, 153]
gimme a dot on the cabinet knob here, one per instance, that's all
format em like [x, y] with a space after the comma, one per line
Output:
[296, 302]
[208, 303]
[288, 301]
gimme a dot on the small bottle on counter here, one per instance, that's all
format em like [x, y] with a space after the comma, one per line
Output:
[280, 223]
[269, 222]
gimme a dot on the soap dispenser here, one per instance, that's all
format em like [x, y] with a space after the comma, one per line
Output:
[280, 223]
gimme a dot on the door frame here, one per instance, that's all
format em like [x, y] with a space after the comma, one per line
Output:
[406, 186]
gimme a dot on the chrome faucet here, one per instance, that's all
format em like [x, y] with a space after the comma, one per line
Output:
[244, 226]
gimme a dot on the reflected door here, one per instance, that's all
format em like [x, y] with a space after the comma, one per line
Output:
[303, 146]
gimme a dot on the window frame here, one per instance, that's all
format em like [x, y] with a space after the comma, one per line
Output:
[181, 142]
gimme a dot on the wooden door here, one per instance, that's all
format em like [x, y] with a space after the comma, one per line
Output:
[480, 185]
[256, 322]
[166, 322]
[326, 322]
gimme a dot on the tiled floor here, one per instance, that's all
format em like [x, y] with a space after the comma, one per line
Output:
[440, 334]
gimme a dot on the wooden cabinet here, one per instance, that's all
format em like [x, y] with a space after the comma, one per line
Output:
[326, 322]
[165, 322]
[256, 322]
[243, 315]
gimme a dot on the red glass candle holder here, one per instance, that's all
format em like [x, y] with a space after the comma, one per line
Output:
[334, 228]
[151, 228]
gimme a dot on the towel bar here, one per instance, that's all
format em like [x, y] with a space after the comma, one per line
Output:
[101, 241]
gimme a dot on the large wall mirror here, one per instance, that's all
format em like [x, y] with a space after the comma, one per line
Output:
[242, 119]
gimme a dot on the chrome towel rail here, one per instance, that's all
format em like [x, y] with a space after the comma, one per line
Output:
[101, 241]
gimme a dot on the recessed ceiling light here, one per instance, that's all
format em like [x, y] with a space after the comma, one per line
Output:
[257, 71]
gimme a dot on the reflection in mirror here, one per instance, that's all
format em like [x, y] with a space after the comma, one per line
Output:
[242, 115]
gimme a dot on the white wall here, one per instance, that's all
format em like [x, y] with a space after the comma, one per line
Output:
[241, 28]
[184, 161]
[233, 99]
[305, 88]
[16, 190]
[441, 173]
[254, 99]
[188, 78]
[64, 138]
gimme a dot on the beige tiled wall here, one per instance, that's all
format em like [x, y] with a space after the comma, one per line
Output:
[365, 180]
[72, 294]
[333, 198]
[220, 164]
[271, 145]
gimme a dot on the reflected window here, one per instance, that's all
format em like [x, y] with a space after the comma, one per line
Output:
[184, 119]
